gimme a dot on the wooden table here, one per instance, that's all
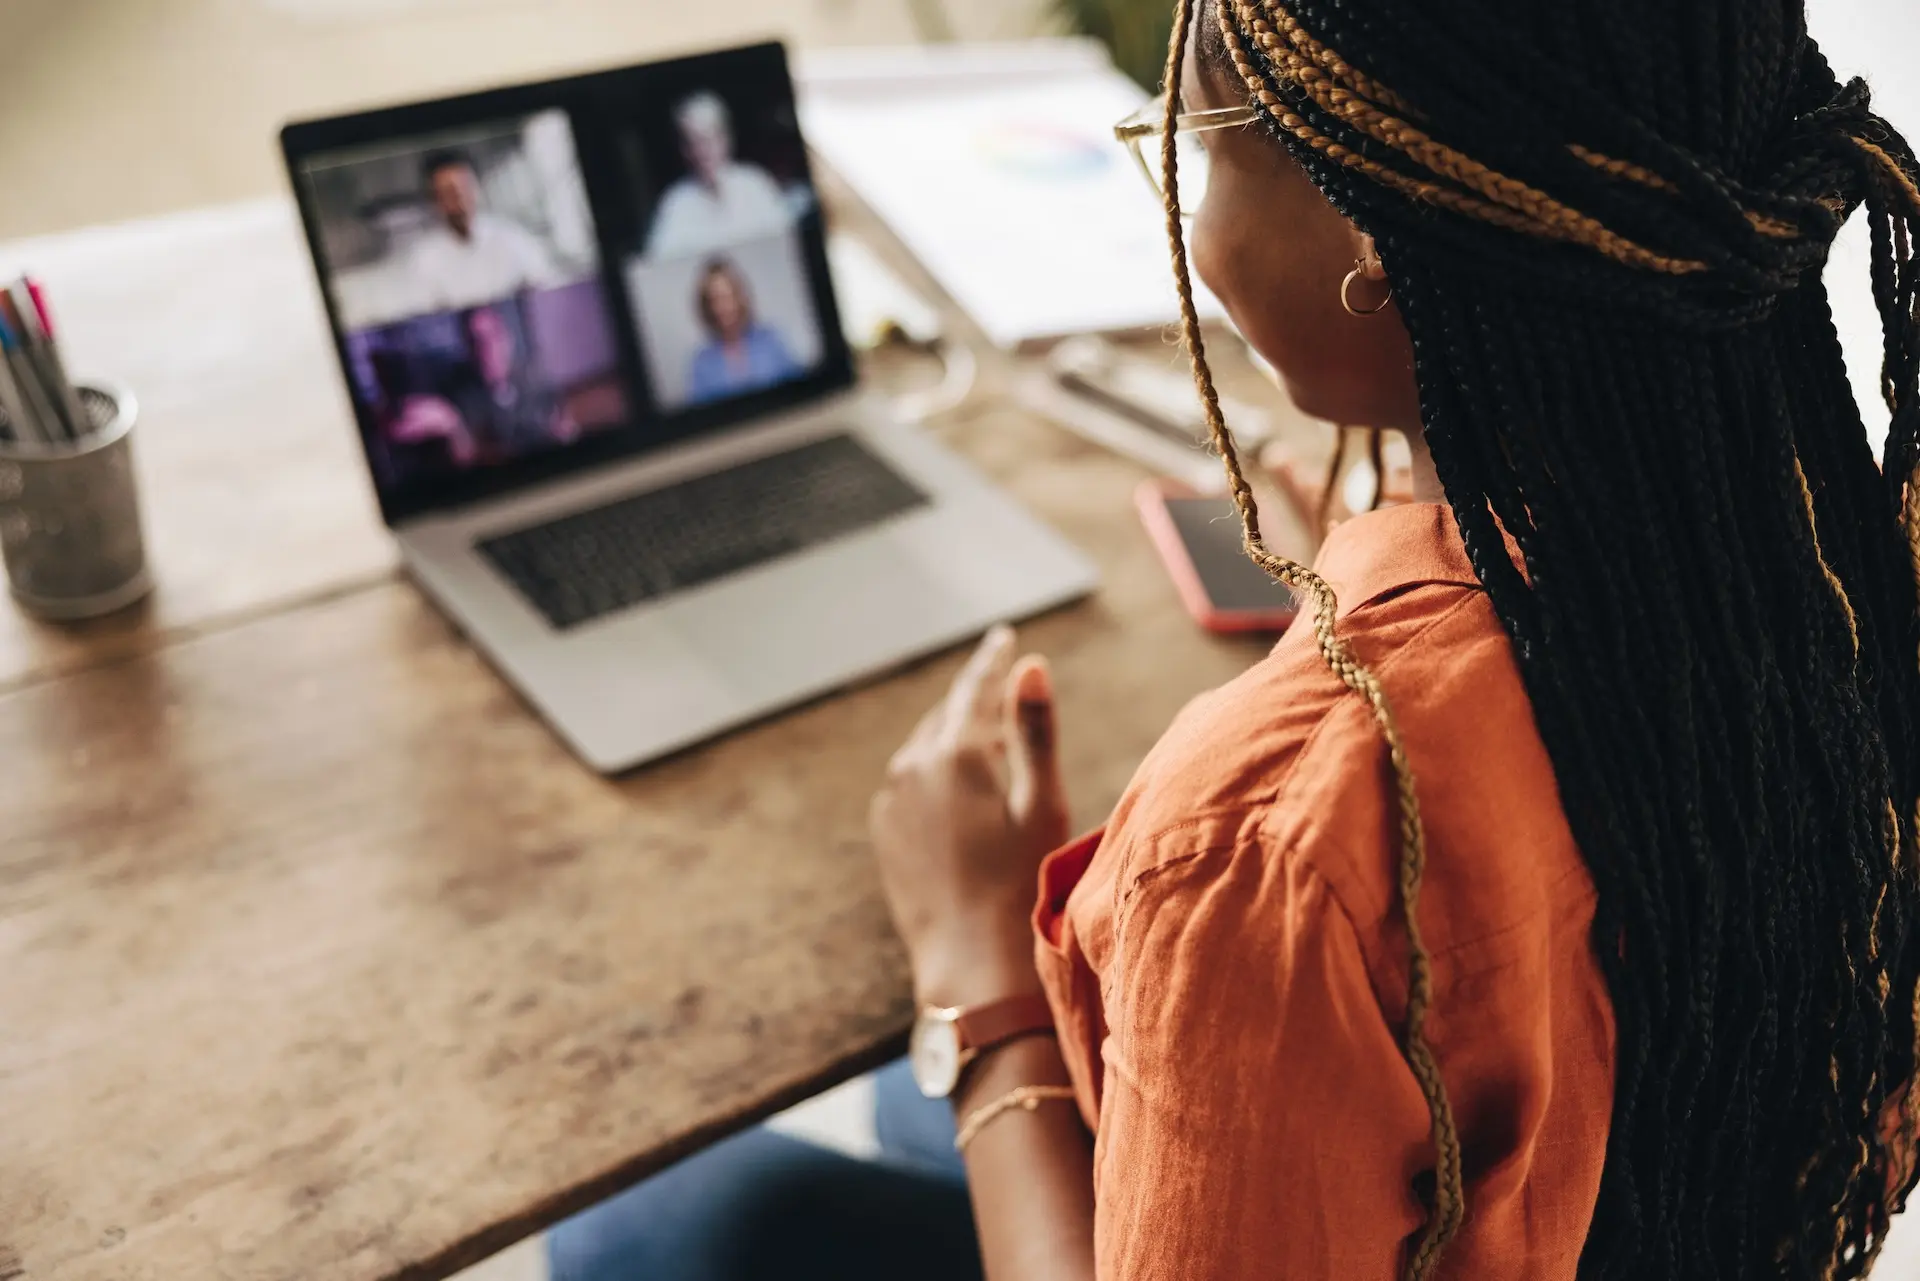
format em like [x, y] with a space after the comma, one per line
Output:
[319, 956]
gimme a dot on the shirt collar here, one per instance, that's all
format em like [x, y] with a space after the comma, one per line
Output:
[1382, 552]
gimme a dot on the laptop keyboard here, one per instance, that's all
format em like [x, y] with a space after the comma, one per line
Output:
[606, 559]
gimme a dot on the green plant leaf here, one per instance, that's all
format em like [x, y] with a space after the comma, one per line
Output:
[1134, 31]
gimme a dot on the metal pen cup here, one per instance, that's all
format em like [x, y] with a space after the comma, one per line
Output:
[70, 515]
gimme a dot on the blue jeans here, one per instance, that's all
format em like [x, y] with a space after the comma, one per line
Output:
[764, 1207]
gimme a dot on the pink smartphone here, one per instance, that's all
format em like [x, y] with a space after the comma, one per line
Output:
[1199, 540]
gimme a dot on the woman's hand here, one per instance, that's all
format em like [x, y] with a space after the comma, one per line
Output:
[971, 804]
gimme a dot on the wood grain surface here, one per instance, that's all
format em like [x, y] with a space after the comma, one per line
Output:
[320, 958]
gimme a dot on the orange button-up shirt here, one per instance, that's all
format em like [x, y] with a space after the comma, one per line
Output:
[1228, 969]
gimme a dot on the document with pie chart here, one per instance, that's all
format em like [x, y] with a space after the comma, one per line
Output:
[1005, 180]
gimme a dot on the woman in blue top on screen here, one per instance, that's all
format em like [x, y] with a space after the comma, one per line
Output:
[742, 354]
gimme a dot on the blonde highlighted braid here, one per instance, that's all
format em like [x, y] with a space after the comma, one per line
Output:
[1449, 1206]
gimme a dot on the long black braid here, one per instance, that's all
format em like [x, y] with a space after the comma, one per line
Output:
[1605, 225]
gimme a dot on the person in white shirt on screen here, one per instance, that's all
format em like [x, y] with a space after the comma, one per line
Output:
[473, 256]
[722, 201]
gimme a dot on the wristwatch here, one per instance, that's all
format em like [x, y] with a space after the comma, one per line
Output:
[946, 1041]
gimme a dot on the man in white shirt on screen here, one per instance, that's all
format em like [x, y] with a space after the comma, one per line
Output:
[722, 202]
[472, 256]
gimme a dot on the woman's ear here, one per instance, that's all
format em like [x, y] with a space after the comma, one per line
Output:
[1368, 258]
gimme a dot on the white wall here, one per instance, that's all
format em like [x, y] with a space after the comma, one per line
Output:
[1878, 39]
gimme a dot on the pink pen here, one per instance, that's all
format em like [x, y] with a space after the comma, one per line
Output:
[36, 331]
[40, 305]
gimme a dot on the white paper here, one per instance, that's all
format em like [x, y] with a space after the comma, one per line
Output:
[1012, 192]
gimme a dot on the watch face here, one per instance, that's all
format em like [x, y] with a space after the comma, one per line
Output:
[934, 1053]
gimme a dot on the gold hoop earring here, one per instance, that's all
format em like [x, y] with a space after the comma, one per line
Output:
[1346, 294]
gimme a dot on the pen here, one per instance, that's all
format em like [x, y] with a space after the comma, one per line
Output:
[42, 420]
[44, 383]
[16, 406]
[40, 309]
[37, 421]
[10, 403]
[76, 412]
[33, 345]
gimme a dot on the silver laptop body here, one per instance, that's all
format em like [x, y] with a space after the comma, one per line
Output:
[646, 681]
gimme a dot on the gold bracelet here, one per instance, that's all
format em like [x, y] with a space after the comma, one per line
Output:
[1028, 1097]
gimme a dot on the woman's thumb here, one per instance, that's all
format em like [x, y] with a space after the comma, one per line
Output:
[1036, 727]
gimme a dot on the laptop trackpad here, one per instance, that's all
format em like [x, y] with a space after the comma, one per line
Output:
[811, 622]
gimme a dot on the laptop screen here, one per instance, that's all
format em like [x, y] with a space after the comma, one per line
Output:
[533, 280]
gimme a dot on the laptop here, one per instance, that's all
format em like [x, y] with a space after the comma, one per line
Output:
[592, 347]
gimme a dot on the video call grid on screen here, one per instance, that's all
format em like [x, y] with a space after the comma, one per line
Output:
[531, 280]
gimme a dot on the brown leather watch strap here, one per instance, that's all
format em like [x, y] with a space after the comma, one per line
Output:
[982, 1027]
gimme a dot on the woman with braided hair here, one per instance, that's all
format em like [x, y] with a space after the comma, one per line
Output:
[1547, 905]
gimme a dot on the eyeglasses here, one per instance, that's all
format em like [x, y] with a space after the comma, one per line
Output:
[1143, 131]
